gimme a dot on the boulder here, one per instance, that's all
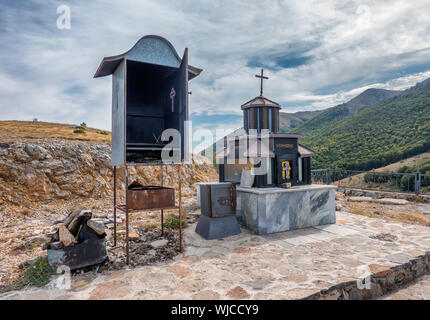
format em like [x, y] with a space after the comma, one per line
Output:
[159, 243]
[360, 199]
[79, 220]
[99, 228]
[72, 215]
[65, 236]
[391, 201]
[133, 235]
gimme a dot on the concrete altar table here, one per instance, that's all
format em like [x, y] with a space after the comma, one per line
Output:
[270, 210]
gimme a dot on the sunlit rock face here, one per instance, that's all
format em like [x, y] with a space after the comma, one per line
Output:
[66, 170]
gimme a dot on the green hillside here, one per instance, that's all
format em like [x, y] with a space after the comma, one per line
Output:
[366, 98]
[289, 121]
[376, 135]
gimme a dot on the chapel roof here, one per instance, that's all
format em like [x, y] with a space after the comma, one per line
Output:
[260, 101]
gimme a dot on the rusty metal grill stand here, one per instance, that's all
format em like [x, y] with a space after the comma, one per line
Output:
[126, 209]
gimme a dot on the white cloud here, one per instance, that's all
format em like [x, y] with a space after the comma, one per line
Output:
[47, 73]
[330, 100]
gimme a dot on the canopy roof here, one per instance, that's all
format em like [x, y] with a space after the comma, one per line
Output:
[149, 49]
[305, 152]
[260, 101]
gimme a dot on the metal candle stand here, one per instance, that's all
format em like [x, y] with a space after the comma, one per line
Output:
[125, 208]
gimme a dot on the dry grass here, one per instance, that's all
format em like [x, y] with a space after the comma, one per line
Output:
[412, 161]
[11, 131]
[402, 213]
[358, 180]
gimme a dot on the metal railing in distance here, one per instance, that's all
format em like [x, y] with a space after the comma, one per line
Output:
[320, 176]
[372, 180]
[424, 183]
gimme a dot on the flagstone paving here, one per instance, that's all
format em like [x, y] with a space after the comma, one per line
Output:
[286, 265]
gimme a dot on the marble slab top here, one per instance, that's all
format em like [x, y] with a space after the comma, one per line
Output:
[309, 187]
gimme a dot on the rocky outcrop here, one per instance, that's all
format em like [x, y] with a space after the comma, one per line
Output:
[63, 170]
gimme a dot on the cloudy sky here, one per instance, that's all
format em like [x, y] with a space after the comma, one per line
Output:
[316, 53]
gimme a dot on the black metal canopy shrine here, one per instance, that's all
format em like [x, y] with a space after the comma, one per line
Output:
[149, 95]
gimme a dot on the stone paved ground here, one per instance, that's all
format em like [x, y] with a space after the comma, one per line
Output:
[418, 290]
[287, 265]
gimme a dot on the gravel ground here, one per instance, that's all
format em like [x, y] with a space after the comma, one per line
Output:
[24, 231]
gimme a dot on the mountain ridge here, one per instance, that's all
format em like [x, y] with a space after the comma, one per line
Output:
[388, 131]
[366, 98]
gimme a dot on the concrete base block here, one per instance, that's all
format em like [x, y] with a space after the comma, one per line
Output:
[270, 210]
[217, 228]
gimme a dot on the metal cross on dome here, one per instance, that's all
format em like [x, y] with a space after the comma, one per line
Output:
[262, 77]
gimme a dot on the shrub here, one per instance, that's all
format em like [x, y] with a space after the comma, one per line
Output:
[425, 182]
[36, 275]
[172, 221]
[79, 130]
[377, 177]
[368, 177]
[103, 132]
[407, 183]
[403, 169]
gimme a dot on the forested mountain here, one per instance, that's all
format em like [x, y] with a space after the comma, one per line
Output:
[288, 121]
[366, 98]
[366, 137]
